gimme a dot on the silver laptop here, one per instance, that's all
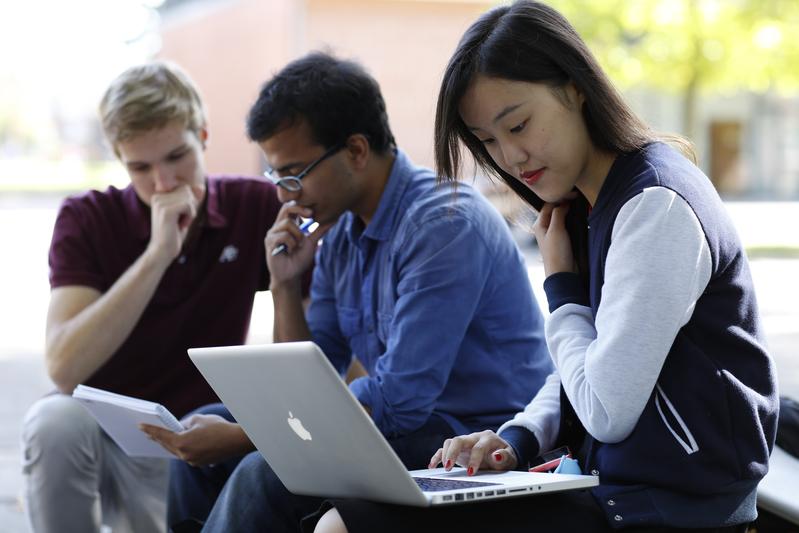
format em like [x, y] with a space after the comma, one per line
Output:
[320, 441]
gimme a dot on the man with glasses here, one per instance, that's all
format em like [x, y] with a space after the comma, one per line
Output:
[417, 281]
[294, 183]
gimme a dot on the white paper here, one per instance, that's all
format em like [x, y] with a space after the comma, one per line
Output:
[120, 416]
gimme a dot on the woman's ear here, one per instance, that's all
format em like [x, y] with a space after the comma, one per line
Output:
[576, 95]
[569, 95]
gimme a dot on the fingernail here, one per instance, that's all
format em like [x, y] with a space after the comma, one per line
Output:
[470, 471]
[449, 464]
[498, 457]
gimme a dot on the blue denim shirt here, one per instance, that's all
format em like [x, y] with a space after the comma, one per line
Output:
[433, 298]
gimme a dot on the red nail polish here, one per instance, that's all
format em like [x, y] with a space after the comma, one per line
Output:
[498, 457]
[449, 463]
[470, 471]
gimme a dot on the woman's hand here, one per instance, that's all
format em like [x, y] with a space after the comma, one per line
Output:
[484, 450]
[553, 239]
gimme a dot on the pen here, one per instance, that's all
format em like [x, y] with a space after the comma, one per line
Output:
[306, 227]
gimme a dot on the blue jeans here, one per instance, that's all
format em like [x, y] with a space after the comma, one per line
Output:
[254, 499]
[193, 490]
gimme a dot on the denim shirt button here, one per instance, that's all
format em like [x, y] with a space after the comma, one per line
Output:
[618, 518]
[611, 503]
[594, 472]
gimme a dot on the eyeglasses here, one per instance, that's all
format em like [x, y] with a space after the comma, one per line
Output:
[293, 183]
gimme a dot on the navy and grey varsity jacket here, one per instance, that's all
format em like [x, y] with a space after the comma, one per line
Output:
[662, 357]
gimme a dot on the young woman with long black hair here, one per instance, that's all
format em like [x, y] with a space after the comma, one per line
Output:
[663, 386]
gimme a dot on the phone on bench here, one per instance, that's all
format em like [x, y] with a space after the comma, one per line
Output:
[549, 461]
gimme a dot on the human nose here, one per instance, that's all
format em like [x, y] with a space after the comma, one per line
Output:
[164, 179]
[513, 154]
[284, 195]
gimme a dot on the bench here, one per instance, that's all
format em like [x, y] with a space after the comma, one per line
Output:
[778, 492]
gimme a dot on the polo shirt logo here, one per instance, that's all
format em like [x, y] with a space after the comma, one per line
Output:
[229, 254]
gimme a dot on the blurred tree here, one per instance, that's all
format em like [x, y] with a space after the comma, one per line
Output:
[691, 46]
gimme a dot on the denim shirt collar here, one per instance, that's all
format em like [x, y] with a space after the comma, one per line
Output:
[379, 229]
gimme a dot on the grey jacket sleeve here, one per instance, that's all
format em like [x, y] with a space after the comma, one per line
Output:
[657, 267]
[542, 415]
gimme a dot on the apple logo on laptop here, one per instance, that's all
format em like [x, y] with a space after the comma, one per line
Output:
[298, 428]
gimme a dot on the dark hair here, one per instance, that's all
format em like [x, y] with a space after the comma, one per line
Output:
[529, 41]
[336, 97]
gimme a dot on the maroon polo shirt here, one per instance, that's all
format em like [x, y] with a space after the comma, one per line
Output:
[204, 299]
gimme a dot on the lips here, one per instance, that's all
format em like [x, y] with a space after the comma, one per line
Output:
[530, 178]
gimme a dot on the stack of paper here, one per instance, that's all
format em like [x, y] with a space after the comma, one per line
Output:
[121, 415]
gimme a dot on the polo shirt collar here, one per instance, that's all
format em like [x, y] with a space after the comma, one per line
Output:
[215, 218]
[139, 212]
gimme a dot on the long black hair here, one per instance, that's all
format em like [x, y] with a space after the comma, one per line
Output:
[531, 42]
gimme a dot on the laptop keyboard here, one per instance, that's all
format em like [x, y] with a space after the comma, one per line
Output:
[429, 484]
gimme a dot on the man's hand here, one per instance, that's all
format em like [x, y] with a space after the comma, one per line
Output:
[208, 439]
[485, 450]
[171, 215]
[287, 267]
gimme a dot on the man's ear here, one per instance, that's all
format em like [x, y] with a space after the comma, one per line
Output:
[202, 134]
[358, 150]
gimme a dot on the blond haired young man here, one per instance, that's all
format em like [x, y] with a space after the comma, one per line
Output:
[138, 275]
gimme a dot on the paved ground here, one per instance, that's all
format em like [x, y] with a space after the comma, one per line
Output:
[26, 224]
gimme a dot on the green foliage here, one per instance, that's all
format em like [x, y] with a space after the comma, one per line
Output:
[678, 45]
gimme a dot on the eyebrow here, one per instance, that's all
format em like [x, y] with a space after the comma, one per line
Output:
[172, 152]
[504, 112]
[500, 115]
[289, 166]
[177, 149]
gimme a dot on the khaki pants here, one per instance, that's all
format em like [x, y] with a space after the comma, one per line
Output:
[78, 479]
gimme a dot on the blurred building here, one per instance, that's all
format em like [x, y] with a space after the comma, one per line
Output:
[747, 143]
[231, 47]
